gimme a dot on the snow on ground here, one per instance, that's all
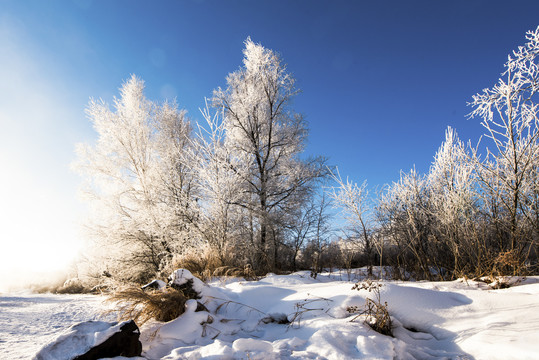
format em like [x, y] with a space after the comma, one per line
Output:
[29, 321]
[431, 320]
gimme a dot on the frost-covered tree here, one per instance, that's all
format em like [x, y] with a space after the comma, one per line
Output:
[453, 197]
[356, 207]
[220, 221]
[404, 212]
[508, 112]
[137, 184]
[262, 127]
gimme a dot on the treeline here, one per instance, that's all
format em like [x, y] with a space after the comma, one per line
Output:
[476, 212]
[236, 190]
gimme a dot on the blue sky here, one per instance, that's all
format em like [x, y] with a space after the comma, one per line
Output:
[380, 80]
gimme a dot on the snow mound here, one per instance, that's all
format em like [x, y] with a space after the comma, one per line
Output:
[187, 328]
[182, 276]
[78, 339]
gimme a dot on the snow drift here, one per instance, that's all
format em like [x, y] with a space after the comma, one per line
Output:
[298, 317]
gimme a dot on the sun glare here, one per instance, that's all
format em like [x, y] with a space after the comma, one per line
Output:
[39, 235]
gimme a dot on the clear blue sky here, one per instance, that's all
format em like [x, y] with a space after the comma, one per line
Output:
[380, 80]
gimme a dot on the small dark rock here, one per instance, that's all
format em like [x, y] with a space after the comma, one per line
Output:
[187, 289]
[123, 343]
[278, 318]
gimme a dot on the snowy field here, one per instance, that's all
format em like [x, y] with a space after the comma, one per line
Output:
[29, 321]
[431, 320]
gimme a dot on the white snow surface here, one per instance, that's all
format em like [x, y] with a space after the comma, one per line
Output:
[78, 339]
[431, 320]
[30, 321]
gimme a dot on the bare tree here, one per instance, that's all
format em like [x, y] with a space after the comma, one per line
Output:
[321, 234]
[355, 204]
[301, 227]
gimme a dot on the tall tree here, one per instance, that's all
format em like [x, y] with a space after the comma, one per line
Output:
[451, 183]
[260, 124]
[218, 220]
[135, 177]
[509, 113]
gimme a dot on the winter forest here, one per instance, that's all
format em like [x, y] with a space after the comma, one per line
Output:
[233, 193]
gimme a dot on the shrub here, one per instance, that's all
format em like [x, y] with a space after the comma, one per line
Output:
[142, 306]
[72, 286]
[375, 313]
[202, 266]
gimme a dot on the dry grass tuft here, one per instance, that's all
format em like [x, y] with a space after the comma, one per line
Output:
[142, 306]
[208, 266]
[201, 267]
[377, 317]
[231, 271]
[375, 313]
[508, 263]
[304, 307]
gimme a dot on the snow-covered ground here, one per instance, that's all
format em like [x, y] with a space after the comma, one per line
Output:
[29, 321]
[431, 320]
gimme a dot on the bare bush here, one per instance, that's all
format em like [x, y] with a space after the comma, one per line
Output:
[374, 312]
[303, 307]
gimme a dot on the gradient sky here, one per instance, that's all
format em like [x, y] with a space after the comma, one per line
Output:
[380, 81]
